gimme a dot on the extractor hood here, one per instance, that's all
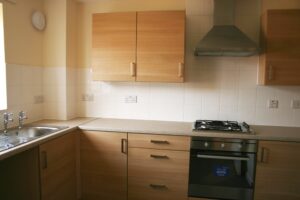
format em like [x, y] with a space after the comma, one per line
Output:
[225, 39]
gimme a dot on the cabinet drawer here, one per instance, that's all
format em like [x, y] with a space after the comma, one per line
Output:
[144, 189]
[157, 174]
[159, 142]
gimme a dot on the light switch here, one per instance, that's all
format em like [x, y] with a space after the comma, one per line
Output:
[38, 99]
[296, 104]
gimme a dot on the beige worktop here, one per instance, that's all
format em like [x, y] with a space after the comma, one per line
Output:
[272, 133]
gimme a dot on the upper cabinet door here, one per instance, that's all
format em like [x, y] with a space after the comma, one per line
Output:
[280, 62]
[160, 46]
[114, 46]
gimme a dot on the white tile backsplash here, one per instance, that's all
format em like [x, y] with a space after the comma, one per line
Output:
[221, 93]
[23, 83]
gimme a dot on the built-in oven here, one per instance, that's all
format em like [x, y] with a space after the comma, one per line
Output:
[222, 168]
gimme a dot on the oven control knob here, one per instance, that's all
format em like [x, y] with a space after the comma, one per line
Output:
[206, 144]
[222, 145]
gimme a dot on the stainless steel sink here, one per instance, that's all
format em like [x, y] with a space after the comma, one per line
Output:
[15, 137]
[34, 132]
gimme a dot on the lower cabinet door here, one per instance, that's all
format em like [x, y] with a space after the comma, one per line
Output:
[277, 171]
[157, 174]
[103, 165]
[58, 168]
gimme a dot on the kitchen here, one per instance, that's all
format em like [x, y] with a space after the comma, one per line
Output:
[131, 136]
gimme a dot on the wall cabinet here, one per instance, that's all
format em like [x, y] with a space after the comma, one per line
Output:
[280, 60]
[156, 172]
[114, 46]
[58, 168]
[142, 46]
[277, 173]
[103, 165]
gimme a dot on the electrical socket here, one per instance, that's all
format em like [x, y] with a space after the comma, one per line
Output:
[295, 104]
[38, 99]
[87, 97]
[273, 104]
[130, 99]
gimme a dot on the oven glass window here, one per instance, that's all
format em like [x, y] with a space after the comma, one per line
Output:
[222, 169]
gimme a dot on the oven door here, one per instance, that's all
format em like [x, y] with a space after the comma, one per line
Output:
[221, 175]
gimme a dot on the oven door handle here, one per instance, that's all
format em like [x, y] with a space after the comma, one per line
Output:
[222, 157]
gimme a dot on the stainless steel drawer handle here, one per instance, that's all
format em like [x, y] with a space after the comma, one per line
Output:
[155, 186]
[222, 157]
[124, 146]
[159, 156]
[159, 141]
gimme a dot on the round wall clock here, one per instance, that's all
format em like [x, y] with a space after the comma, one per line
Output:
[38, 20]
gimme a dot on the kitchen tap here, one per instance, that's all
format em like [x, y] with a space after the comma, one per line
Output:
[8, 117]
[22, 116]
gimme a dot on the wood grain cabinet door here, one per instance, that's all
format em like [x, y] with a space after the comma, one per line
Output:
[280, 61]
[103, 165]
[114, 46]
[160, 46]
[58, 168]
[277, 172]
[157, 174]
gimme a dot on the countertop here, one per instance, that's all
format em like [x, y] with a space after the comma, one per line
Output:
[270, 133]
[71, 124]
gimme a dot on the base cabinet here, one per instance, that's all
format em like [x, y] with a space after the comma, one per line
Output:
[19, 176]
[103, 165]
[277, 172]
[157, 173]
[58, 168]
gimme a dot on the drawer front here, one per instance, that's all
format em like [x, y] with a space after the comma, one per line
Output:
[141, 189]
[159, 142]
[157, 174]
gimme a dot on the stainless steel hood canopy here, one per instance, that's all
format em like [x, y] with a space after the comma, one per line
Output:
[225, 39]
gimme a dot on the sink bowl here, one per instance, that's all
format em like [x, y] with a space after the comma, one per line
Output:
[35, 132]
[15, 137]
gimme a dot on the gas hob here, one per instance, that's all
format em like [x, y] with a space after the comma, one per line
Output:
[227, 126]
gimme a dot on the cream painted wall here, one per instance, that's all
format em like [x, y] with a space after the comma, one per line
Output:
[85, 11]
[71, 33]
[54, 46]
[23, 44]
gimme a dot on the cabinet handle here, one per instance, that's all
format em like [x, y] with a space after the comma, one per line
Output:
[271, 73]
[155, 186]
[159, 141]
[159, 156]
[124, 146]
[133, 69]
[44, 160]
[180, 70]
[263, 155]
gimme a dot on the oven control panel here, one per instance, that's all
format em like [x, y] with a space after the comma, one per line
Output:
[218, 144]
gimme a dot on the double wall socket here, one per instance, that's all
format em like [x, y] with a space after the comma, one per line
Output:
[130, 99]
[87, 97]
[273, 104]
